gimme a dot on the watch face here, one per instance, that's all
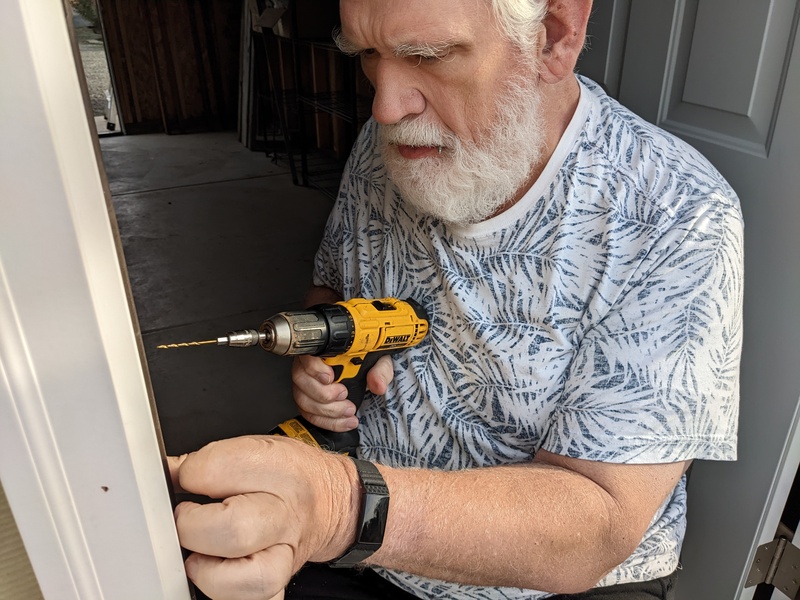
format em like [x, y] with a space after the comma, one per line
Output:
[373, 523]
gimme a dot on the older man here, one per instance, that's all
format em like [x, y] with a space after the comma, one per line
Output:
[582, 271]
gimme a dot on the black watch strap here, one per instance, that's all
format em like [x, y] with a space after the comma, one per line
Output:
[372, 516]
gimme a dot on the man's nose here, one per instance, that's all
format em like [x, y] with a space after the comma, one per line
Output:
[397, 94]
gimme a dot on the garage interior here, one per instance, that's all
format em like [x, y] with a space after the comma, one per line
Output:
[237, 119]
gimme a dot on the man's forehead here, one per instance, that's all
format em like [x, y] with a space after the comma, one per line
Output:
[396, 23]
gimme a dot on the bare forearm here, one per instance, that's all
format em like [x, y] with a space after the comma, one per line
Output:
[556, 526]
[533, 526]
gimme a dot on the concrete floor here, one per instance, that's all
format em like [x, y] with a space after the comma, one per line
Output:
[215, 238]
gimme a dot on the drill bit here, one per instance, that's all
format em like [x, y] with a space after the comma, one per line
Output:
[186, 344]
[239, 339]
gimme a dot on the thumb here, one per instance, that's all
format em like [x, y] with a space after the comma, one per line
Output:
[380, 375]
[174, 465]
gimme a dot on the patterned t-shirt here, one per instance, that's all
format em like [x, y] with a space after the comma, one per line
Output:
[598, 318]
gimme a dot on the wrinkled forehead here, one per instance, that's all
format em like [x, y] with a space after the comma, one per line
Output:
[392, 23]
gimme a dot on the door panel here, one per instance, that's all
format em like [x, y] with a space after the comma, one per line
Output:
[605, 44]
[725, 76]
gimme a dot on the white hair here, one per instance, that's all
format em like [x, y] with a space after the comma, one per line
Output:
[520, 20]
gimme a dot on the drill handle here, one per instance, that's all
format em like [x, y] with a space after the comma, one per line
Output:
[357, 384]
[352, 372]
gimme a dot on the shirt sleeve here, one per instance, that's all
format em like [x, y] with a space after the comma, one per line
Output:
[337, 264]
[328, 260]
[330, 257]
[656, 379]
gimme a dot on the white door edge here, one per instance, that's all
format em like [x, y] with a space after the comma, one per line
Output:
[79, 453]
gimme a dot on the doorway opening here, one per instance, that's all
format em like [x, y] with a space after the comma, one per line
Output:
[89, 38]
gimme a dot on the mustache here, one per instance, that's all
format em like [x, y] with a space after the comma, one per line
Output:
[415, 132]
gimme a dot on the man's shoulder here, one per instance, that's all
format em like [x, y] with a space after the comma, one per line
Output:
[365, 149]
[608, 114]
[651, 160]
[364, 175]
[621, 130]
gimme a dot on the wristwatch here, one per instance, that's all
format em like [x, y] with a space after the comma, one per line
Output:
[372, 515]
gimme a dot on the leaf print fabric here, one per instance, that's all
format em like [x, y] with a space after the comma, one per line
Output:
[598, 318]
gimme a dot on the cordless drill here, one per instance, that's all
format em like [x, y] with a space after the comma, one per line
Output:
[349, 336]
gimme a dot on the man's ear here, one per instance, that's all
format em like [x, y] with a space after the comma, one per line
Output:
[565, 31]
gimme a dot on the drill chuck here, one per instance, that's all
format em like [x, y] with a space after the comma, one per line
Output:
[327, 330]
[241, 339]
[296, 332]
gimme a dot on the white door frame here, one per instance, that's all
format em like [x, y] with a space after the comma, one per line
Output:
[80, 458]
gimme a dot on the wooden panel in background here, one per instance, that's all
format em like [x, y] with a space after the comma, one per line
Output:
[131, 65]
[175, 63]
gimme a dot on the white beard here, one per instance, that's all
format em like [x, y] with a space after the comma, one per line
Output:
[467, 183]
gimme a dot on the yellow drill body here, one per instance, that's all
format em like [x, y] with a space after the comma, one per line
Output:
[350, 336]
[384, 325]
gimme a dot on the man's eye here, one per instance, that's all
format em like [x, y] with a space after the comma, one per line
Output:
[368, 53]
[433, 58]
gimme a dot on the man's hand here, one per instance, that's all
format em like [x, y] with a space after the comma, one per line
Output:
[325, 403]
[283, 503]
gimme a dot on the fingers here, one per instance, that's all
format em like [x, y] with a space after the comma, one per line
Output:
[241, 465]
[321, 401]
[261, 575]
[235, 528]
[338, 425]
[281, 499]
[325, 403]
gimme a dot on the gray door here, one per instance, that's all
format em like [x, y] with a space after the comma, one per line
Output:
[725, 76]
